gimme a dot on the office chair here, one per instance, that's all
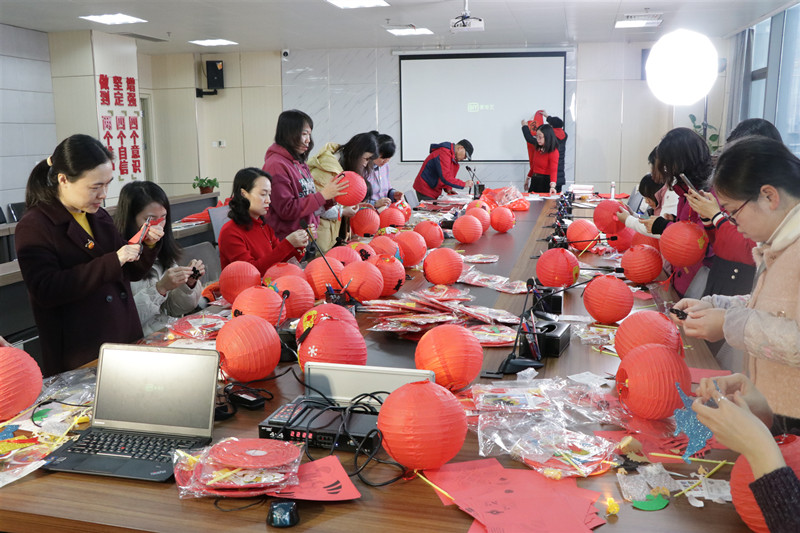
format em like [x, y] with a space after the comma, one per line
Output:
[16, 210]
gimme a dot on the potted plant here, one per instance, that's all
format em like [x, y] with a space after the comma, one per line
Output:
[206, 184]
[713, 138]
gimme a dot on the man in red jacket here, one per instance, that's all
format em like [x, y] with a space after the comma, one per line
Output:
[439, 169]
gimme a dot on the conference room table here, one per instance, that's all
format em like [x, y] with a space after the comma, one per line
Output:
[45, 501]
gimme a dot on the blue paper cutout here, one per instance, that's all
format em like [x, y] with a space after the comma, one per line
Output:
[686, 422]
[8, 432]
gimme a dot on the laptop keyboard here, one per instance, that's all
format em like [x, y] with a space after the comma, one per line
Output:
[133, 446]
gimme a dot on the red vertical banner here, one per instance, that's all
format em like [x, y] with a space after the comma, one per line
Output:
[119, 118]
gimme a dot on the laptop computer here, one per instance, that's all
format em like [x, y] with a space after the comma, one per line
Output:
[149, 400]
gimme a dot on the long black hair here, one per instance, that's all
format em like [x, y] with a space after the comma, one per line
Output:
[550, 139]
[239, 205]
[350, 153]
[751, 162]
[72, 157]
[386, 145]
[755, 126]
[682, 151]
[289, 132]
[133, 198]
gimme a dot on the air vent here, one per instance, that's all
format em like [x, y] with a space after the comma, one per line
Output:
[640, 20]
[143, 37]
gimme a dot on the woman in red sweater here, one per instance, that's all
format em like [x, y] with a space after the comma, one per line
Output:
[543, 153]
[247, 237]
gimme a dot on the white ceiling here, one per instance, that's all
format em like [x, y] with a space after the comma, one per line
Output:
[313, 24]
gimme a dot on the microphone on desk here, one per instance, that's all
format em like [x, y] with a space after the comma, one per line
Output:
[284, 296]
[304, 225]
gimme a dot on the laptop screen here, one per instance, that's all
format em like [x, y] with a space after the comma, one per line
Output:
[156, 389]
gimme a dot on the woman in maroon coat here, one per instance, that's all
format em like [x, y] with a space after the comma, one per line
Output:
[76, 266]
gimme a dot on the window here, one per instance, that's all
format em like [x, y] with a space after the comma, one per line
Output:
[787, 115]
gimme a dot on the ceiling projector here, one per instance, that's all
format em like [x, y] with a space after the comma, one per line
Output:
[466, 23]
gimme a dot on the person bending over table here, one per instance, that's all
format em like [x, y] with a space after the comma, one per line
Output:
[168, 290]
[543, 154]
[757, 181]
[379, 191]
[247, 236]
[438, 171]
[75, 264]
[741, 421]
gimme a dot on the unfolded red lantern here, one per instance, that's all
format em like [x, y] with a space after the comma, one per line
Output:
[647, 327]
[423, 425]
[605, 216]
[391, 216]
[412, 247]
[557, 267]
[364, 250]
[582, 234]
[249, 348]
[467, 229]
[365, 222]
[683, 244]
[356, 189]
[301, 295]
[431, 232]
[742, 475]
[479, 204]
[642, 263]
[333, 341]
[641, 238]
[453, 353]
[443, 266]
[393, 271]
[482, 215]
[324, 312]
[345, 254]
[383, 244]
[623, 240]
[282, 269]
[502, 219]
[363, 280]
[321, 274]
[607, 299]
[20, 381]
[260, 301]
[236, 277]
[646, 381]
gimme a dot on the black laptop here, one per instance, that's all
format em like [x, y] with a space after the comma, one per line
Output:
[149, 401]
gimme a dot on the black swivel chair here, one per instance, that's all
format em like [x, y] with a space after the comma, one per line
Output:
[16, 210]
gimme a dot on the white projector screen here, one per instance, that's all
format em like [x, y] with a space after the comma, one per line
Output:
[481, 97]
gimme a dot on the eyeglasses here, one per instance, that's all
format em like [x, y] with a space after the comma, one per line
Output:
[730, 216]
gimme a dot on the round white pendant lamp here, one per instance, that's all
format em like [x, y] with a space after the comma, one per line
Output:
[682, 67]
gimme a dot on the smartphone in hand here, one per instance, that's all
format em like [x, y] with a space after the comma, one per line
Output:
[686, 182]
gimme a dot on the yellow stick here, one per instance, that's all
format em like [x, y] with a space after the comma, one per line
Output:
[219, 477]
[432, 484]
[687, 489]
[591, 243]
[670, 456]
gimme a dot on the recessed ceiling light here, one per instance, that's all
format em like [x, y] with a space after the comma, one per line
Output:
[409, 31]
[119, 18]
[350, 4]
[213, 42]
[639, 20]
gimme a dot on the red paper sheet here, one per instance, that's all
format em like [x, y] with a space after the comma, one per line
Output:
[699, 373]
[321, 480]
[461, 476]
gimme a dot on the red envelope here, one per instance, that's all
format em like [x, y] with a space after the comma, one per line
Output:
[321, 480]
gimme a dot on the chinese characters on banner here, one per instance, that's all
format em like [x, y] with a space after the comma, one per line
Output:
[119, 113]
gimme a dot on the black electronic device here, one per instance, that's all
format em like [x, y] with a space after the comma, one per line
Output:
[553, 337]
[681, 314]
[346, 296]
[286, 332]
[321, 428]
[282, 513]
[215, 76]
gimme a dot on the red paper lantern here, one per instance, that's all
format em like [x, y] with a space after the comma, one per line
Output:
[383, 244]
[356, 189]
[480, 204]
[249, 348]
[324, 312]
[683, 244]
[557, 267]
[647, 327]
[605, 216]
[482, 215]
[364, 250]
[642, 263]
[365, 222]
[412, 247]
[431, 232]
[237, 277]
[282, 269]
[623, 240]
[392, 270]
[582, 234]
[502, 219]
[20, 381]
[423, 425]
[403, 206]
[646, 381]
[467, 229]
[319, 274]
[333, 341]
[365, 280]
[443, 266]
[453, 353]
[260, 301]
[301, 295]
[607, 299]
[641, 238]
[742, 475]
[345, 254]
[391, 216]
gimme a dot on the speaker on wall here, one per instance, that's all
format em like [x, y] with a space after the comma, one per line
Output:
[214, 74]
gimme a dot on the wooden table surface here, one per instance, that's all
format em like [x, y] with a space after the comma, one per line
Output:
[75, 502]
